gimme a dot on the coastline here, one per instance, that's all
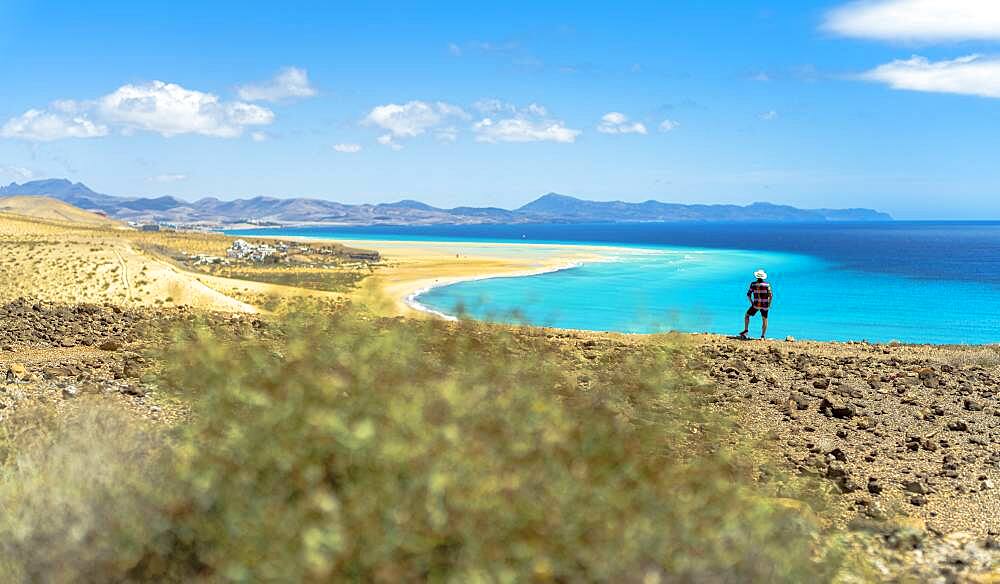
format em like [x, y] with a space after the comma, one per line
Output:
[411, 268]
[413, 302]
[414, 268]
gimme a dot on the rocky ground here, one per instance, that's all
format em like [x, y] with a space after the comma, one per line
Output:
[893, 431]
[52, 353]
[904, 438]
[896, 430]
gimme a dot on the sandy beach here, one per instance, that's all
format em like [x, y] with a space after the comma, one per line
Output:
[412, 268]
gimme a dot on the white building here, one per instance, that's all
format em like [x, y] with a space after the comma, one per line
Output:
[254, 252]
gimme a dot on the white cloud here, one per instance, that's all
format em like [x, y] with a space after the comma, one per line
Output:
[44, 126]
[768, 115]
[289, 83]
[492, 105]
[618, 123]
[970, 75]
[167, 178]
[917, 20]
[259, 136]
[169, 109]
[669, 125]
[16, 173]
[488, 105]
[530, 124]
[387, 140]
[537, 110]
[449, 134]
[347, 148]
[164, 108]
[411, 119]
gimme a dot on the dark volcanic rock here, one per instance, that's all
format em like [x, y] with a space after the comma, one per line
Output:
[799, 400]
[132, 368]
[837, 407]
[916, 487]
[874, 487]
[958, 426]
[34, 324]
[110, 345]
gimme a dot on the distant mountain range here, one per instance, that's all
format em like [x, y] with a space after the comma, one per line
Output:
[550, 208]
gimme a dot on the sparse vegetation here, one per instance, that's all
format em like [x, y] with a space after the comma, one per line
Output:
[325, 279]
[986, 356]
[332, 271]
[347, 449]
[75, 494]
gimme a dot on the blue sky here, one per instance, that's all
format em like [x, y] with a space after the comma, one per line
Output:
[891, 104]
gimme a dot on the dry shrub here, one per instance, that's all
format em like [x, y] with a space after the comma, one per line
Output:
[337, 448]
[76, 494]
[987, 356]
[356, 451]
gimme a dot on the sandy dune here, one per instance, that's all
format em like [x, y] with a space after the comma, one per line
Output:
[69, 262]
[49, 209]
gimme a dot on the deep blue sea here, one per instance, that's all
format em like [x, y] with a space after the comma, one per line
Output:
[921, 282]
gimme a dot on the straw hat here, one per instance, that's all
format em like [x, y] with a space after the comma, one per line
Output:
[760, 275]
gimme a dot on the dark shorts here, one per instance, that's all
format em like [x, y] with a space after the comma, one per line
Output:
[752, 311]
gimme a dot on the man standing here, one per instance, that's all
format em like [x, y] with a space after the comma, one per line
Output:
[760, 296]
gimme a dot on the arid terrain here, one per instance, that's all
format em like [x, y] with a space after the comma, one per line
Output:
[74, 262]
[905, 440]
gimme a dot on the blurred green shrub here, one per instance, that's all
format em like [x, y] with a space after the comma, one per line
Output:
[353, 450]
[78, 499]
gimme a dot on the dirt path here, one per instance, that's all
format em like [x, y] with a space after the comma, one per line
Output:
[124, 266]
[63, 263]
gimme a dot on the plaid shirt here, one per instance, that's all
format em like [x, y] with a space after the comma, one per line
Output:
[760, 295]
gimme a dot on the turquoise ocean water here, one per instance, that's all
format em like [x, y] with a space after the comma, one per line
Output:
[656, 287]
[704, 291]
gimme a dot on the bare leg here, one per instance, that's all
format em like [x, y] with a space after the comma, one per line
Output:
[746, 324]
[763, 328]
